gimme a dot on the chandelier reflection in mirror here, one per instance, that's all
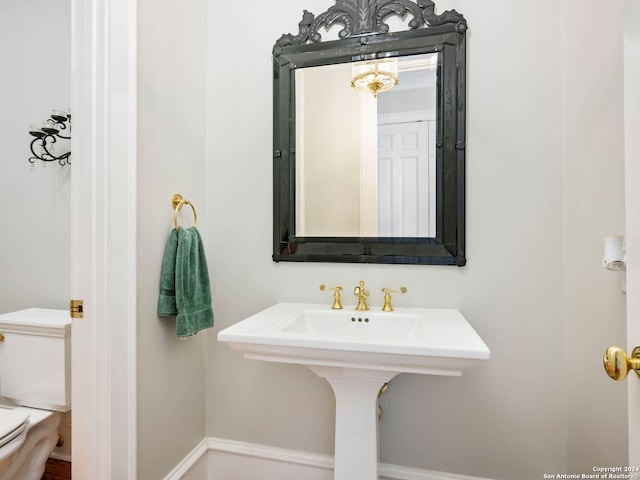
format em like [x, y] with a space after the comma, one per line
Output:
[52, 142]
[375, 76]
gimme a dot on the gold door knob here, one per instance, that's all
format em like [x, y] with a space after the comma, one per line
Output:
[617, 364]
[1, 337]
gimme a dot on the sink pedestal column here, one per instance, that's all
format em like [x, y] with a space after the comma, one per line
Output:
[356, 444]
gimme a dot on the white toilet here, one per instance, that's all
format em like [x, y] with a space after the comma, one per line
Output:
[35, 388]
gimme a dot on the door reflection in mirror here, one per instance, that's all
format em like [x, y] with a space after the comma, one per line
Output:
[365, 166]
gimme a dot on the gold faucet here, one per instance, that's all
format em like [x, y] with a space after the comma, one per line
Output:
[336, 296]
[362, 295]
[387, 298]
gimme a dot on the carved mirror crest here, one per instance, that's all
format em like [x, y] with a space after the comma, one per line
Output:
[369, 136]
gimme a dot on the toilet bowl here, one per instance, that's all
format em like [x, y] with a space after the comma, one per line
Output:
[24, 450]
[35, 367]
[13, 431]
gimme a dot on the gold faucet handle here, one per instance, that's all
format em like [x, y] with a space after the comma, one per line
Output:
[336, 296]
[362, 294]
[360, 290]
[387, 298]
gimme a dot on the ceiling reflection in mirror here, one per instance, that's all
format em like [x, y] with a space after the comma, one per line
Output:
[365, 163]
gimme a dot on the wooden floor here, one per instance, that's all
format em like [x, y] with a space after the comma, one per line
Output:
[57, 470]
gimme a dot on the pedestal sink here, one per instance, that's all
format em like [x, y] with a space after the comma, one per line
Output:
[357, 352]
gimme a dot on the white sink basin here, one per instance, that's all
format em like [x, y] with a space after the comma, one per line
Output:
[357, 352]
[356, 326]
[412, 340]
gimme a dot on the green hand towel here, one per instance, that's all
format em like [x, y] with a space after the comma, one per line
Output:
[167, 298]
[192, 288]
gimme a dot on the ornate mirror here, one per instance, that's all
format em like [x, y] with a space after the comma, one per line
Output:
[369, 138]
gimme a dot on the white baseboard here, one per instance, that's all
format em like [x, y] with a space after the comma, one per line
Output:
[57, 456]
[234, 460]
[269, 463]
[185, 470]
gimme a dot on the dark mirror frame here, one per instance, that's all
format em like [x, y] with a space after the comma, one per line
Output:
[365, 36]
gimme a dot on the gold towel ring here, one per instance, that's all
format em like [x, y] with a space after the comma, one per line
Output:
[178, 202]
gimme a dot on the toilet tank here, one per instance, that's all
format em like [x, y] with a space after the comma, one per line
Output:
[35, 358]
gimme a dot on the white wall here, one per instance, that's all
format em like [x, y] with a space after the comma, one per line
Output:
[34, 250]
[532, 288]
[35, 50]
[544, 186]
[335, 162]
[171, 159]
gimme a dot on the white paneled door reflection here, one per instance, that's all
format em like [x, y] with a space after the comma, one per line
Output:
[406, 179]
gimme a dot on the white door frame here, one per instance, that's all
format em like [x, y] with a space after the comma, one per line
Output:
[103, 238]
[631, 15]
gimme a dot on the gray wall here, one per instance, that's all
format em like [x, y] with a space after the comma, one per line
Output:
[171, 159]
[544, 187]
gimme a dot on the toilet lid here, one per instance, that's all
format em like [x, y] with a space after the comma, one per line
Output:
[12, 424]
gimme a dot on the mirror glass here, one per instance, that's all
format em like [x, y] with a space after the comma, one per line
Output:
[369, 137]
[376, 177]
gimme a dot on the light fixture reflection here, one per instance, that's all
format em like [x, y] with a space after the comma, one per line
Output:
[374, 76]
